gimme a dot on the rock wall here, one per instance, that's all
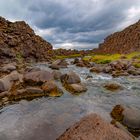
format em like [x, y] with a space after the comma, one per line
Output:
[123, 42]
[18, 40]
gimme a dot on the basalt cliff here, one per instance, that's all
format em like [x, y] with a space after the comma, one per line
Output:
[18, 40]
[125, 41]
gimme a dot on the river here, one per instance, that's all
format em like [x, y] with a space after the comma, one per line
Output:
[47, 118]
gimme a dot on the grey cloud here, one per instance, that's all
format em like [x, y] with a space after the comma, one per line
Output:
[75, 21]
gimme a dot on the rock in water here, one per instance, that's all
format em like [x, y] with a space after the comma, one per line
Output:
[18, 40]
[93, 127]
[72, 82]
[7, 81]
[70, 78]
[113, 86]
[59, 64]
[129, 117]
[37, 77]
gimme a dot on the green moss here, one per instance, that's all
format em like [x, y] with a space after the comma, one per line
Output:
[19, 57]
[117, 113]
[136, 65]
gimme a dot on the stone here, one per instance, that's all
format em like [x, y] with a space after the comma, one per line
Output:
[120, 65]
[83, 63]
[34, 90]
[129, 117]
[80, 64]
[57, 75]
[93, 127]
[89, 77]
[54, 66]
[119, 73]
[26, 93]
[113, 86]
[70, 78]
[96, 69]
[37, 77]
[59, 64]
[76, 60]
[4, 94]
[133, 71]
[7, 81]
[107, 69]
[32, 69]
[76, 88]
[50, 88]
[8, 67]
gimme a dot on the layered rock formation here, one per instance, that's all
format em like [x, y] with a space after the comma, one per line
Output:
[18, 40]
[126, 41]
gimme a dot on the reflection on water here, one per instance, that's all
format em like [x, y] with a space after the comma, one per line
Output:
[47, 118]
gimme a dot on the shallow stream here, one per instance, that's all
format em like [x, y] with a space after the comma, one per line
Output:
[47, 118]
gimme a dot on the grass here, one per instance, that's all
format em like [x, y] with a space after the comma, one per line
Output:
[136, 64]
[19, 57]
[104, 59]
[69, 56]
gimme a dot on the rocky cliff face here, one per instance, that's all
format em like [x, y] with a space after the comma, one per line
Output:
[18, 40]
[126, 41]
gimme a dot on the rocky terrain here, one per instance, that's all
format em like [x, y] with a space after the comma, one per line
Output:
[18, 41]
[122, 42]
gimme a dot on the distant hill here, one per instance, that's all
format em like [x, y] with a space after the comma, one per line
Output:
[125, 41]
[17, 39]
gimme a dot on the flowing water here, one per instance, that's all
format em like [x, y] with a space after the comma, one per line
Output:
[47, 118]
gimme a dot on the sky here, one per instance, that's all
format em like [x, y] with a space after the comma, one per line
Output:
[73, 24]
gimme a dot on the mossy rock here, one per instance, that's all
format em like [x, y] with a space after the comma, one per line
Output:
[116, 113]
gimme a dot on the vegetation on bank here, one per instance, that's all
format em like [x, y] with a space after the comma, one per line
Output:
[104, 59]
[67, 56]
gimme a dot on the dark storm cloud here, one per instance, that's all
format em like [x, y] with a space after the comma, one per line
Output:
[77, 23]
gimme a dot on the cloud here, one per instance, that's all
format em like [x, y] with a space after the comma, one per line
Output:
[73, 23]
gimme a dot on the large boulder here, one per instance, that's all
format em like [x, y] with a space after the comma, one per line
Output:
[50, 88]
[8, 67]
[130, 117]
[70, 78]
[72, 82]
[93, 127]
[7, 81]
[37, 77]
